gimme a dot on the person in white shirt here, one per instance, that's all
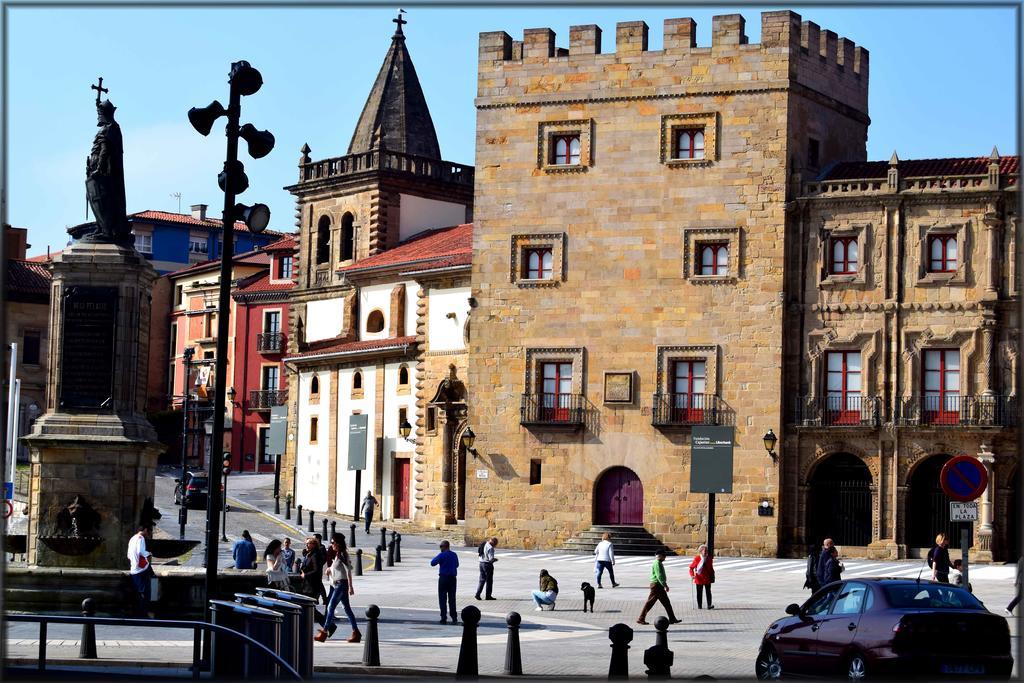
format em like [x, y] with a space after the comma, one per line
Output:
[141, 570]
[277, 574]
[604, 555]
[487, 561]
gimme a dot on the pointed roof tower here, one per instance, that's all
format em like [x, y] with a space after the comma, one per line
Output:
[395, 116]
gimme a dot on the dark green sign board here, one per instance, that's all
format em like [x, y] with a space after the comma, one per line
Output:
[711, 459]
[357, 442]
[278, 430]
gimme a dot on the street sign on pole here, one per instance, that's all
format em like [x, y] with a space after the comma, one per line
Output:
[8, 490]
[963, 512]
[711, 459]
[963, 478]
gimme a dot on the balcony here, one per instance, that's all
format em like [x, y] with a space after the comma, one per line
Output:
[269, 342]
[267, 399]
[955, 410]
[833, 411]
[683, 410]
[552, 410]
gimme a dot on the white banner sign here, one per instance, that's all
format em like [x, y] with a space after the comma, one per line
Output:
[963, 512]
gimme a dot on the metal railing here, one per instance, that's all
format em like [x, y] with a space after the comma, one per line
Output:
[376, 159]
[265, 399]
[956, 410]
[837, 411]
[247, 642]
[672, 410]
[552, 409]
[269, 342]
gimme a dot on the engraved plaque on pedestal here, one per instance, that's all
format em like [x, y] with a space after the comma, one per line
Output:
[87, 347]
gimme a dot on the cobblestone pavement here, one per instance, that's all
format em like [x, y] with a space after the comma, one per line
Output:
[749, 594]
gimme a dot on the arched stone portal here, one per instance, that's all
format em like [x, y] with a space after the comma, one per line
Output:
[927, 511]
[619, 498]
[839, 505]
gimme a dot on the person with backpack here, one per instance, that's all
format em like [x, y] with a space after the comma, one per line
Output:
[487, 560]
[938, 559]
[811, 575]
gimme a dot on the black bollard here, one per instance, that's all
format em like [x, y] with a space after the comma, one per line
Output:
[298, 517]
[359, 562]
[87, 649]
[311, 527]
[394, 535]
[334, 529]
[371, 648]
[398, 549]
[513, 654]
[659, 658]
[620, 635]
[277, 505]
[351, 535]
[383, 537]
[378, 566]
[391, 553]
[288, 507]
[323, 530]
[468, 663]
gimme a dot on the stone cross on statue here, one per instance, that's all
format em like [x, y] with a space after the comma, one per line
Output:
[99, 89]
[399, 20]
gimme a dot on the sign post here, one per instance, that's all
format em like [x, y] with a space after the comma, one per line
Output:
[276, 445]
[357, 454]
[711, 451]
[964, 479]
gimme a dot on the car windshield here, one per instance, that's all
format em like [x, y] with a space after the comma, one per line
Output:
[930, 596]
[198, 481]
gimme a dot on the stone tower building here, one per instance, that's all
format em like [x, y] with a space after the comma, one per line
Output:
[356, 315]
[629, 252]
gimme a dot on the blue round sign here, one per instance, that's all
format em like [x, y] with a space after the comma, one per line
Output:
[963, 478]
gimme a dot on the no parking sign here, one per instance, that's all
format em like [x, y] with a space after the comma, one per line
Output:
[963, 478]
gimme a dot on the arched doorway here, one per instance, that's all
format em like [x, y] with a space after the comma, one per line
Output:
[927, 511]
[839, 505]
[619, 498]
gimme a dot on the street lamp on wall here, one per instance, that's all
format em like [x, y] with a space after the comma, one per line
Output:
[405, 429]
[769, 444]
[468, 439]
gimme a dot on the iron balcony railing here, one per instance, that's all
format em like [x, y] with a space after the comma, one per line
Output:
[269, 342]
[266, 399]
[955, 410]
[838, 411]
[678, 410]
[552, 409]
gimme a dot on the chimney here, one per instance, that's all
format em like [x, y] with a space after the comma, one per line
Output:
[199, 212]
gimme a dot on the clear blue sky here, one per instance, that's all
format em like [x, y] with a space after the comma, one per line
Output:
[942, 84]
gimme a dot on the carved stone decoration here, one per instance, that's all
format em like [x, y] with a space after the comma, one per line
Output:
[78, 519]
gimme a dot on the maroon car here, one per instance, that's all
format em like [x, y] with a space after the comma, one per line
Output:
[870, 627]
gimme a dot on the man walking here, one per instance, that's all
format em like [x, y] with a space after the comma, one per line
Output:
[141, 569]
[447, 564]
[823, 557]
[487, 561]
[659, 591]
[369, 504]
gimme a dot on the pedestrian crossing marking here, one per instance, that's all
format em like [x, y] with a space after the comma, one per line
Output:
[259, 537]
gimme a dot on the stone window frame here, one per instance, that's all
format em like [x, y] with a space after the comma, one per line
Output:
[962, 232]
[314, 429]
[403, 389]
[708, 353]
[829, 280]
[535, 357]
[916, 341]
[671, 123]
[548, 130]
[520, 243]
[314, 396]
[356, 392]
[695, 238]
[824, 341]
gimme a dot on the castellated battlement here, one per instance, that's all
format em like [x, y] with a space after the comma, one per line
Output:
[790, 50]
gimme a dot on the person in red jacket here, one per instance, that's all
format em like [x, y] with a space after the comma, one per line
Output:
[702, 572]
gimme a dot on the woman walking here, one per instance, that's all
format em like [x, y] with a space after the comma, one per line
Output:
[938, 559]
[833, 566]
[604, 555]
[277, 574]
[702, 572]
[339, 573]
[310, 570]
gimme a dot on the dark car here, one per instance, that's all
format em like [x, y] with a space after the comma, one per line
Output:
[869, 627]
[193, 492]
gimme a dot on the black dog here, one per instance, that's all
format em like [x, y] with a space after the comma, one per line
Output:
[588, 596]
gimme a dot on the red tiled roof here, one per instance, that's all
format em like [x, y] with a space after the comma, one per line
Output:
[28, 277]
[921, 168]
[263, 284]
[441, 248]
[355, 347]
[43, 258]
[187, 219]
[287, 243]
[256, 257]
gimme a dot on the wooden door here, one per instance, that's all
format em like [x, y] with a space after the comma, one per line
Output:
[401, 478]
[620, 498]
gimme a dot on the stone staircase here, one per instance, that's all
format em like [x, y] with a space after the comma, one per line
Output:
[628, 540]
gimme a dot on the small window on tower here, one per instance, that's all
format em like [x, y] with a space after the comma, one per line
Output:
[375, 322]
[689, 143]
[534, 472]
[565, 150]
[813, 151]
[313, 428]
[431, 420]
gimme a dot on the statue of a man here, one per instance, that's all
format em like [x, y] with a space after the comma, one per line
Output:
[104, 183]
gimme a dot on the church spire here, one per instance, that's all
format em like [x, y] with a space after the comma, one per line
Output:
[395, 116]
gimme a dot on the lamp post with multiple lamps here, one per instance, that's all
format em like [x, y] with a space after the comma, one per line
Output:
[243, 80]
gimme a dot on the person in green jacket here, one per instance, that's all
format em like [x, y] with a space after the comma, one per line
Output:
[548, 592]
[659, 591]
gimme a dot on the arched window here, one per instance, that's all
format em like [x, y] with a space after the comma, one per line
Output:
[323, 240]
[375, 322]
[314, 386]
[403, 376]
[348, 237]
[357, 381]
[689, 144]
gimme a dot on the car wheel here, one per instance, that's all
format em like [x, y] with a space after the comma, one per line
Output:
[857, 667]
[768, 666]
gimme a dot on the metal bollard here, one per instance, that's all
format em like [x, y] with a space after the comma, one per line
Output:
[513, 654]
[288, 507]
[468, 663]
[383, 537]
[391, 553]
[298, 517]
[620, 635]
[394, 535]
[359, 562]
[323, 531]
[398, 549]
[87, 650]
[377, 564]
[311, 527]
[658, 658]
[371, 647]
[351, 535]
[334, 529]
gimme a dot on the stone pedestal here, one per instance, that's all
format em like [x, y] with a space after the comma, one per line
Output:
[94, 446]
